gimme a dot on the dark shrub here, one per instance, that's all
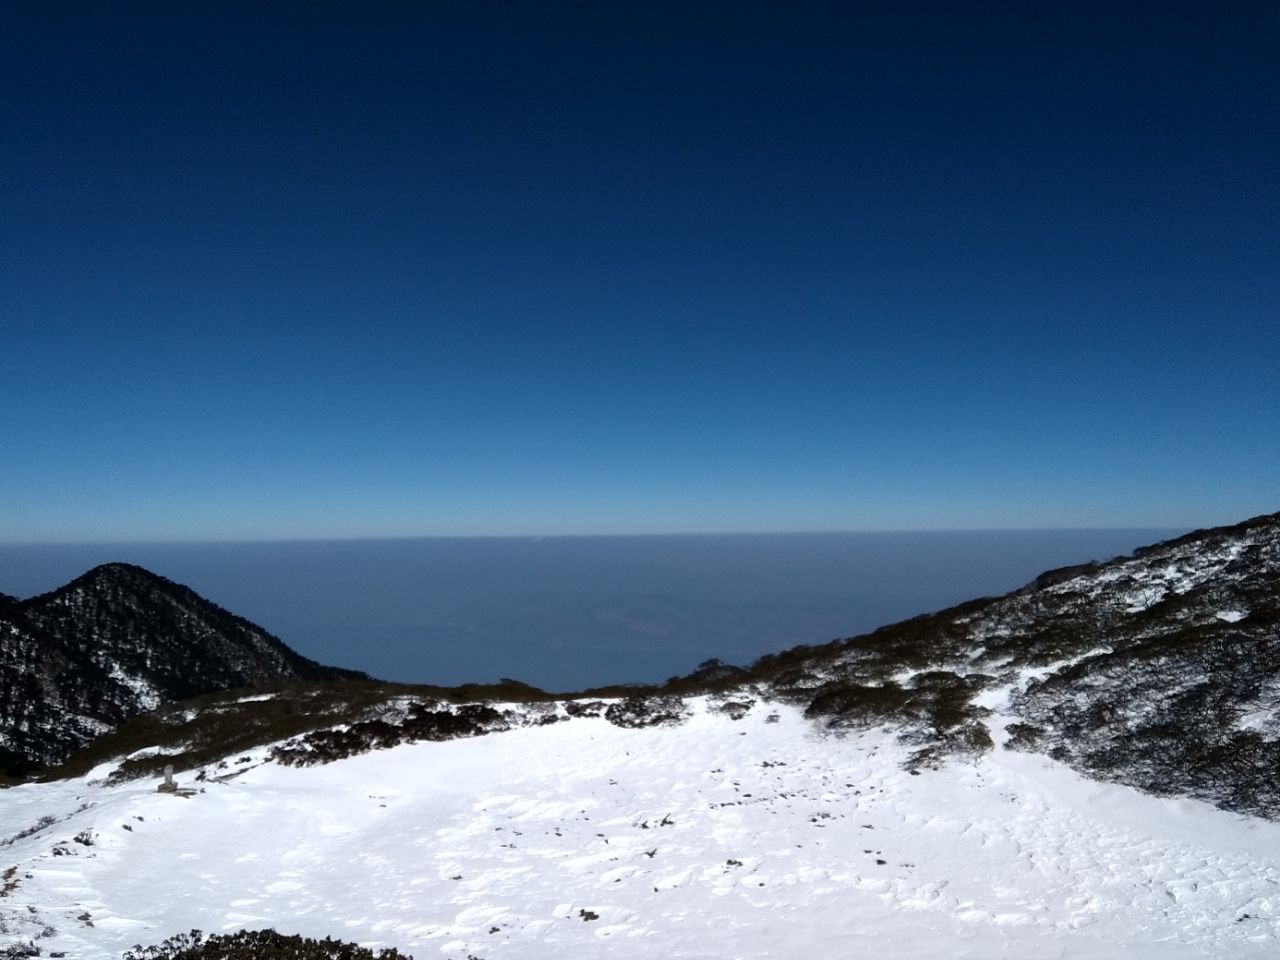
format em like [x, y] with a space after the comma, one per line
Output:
[257, 945]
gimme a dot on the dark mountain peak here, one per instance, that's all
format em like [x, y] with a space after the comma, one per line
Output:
[118, 568]
[119, 572]
[114, 579]
[115, 642]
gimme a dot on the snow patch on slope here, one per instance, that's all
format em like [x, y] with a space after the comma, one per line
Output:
[144, 693]
[1135, 585]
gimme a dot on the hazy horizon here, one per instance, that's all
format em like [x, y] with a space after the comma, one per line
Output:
[657, 534]
[570, 612]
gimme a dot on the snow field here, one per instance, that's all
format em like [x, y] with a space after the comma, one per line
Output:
[763, 837]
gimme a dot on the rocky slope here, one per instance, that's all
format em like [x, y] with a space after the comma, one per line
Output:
[1160, 670]
[114, 643]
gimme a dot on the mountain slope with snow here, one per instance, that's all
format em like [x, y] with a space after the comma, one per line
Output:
[765, 836]
[116, 642]
[1160, 670]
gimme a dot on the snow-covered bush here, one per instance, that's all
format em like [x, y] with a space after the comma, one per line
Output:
[641, 711]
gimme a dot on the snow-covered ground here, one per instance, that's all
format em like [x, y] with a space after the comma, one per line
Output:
[761, 837]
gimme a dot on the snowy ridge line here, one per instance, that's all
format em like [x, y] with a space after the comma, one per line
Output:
[1136, 675]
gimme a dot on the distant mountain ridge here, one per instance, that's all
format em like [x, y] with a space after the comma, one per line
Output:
[116, 642]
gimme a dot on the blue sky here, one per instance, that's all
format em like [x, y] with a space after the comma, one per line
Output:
[456, 268]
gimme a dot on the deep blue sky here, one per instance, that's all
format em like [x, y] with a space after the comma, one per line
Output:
[320, 270]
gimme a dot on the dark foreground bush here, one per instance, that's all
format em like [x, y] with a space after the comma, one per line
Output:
[257, 945]
[421, 723]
